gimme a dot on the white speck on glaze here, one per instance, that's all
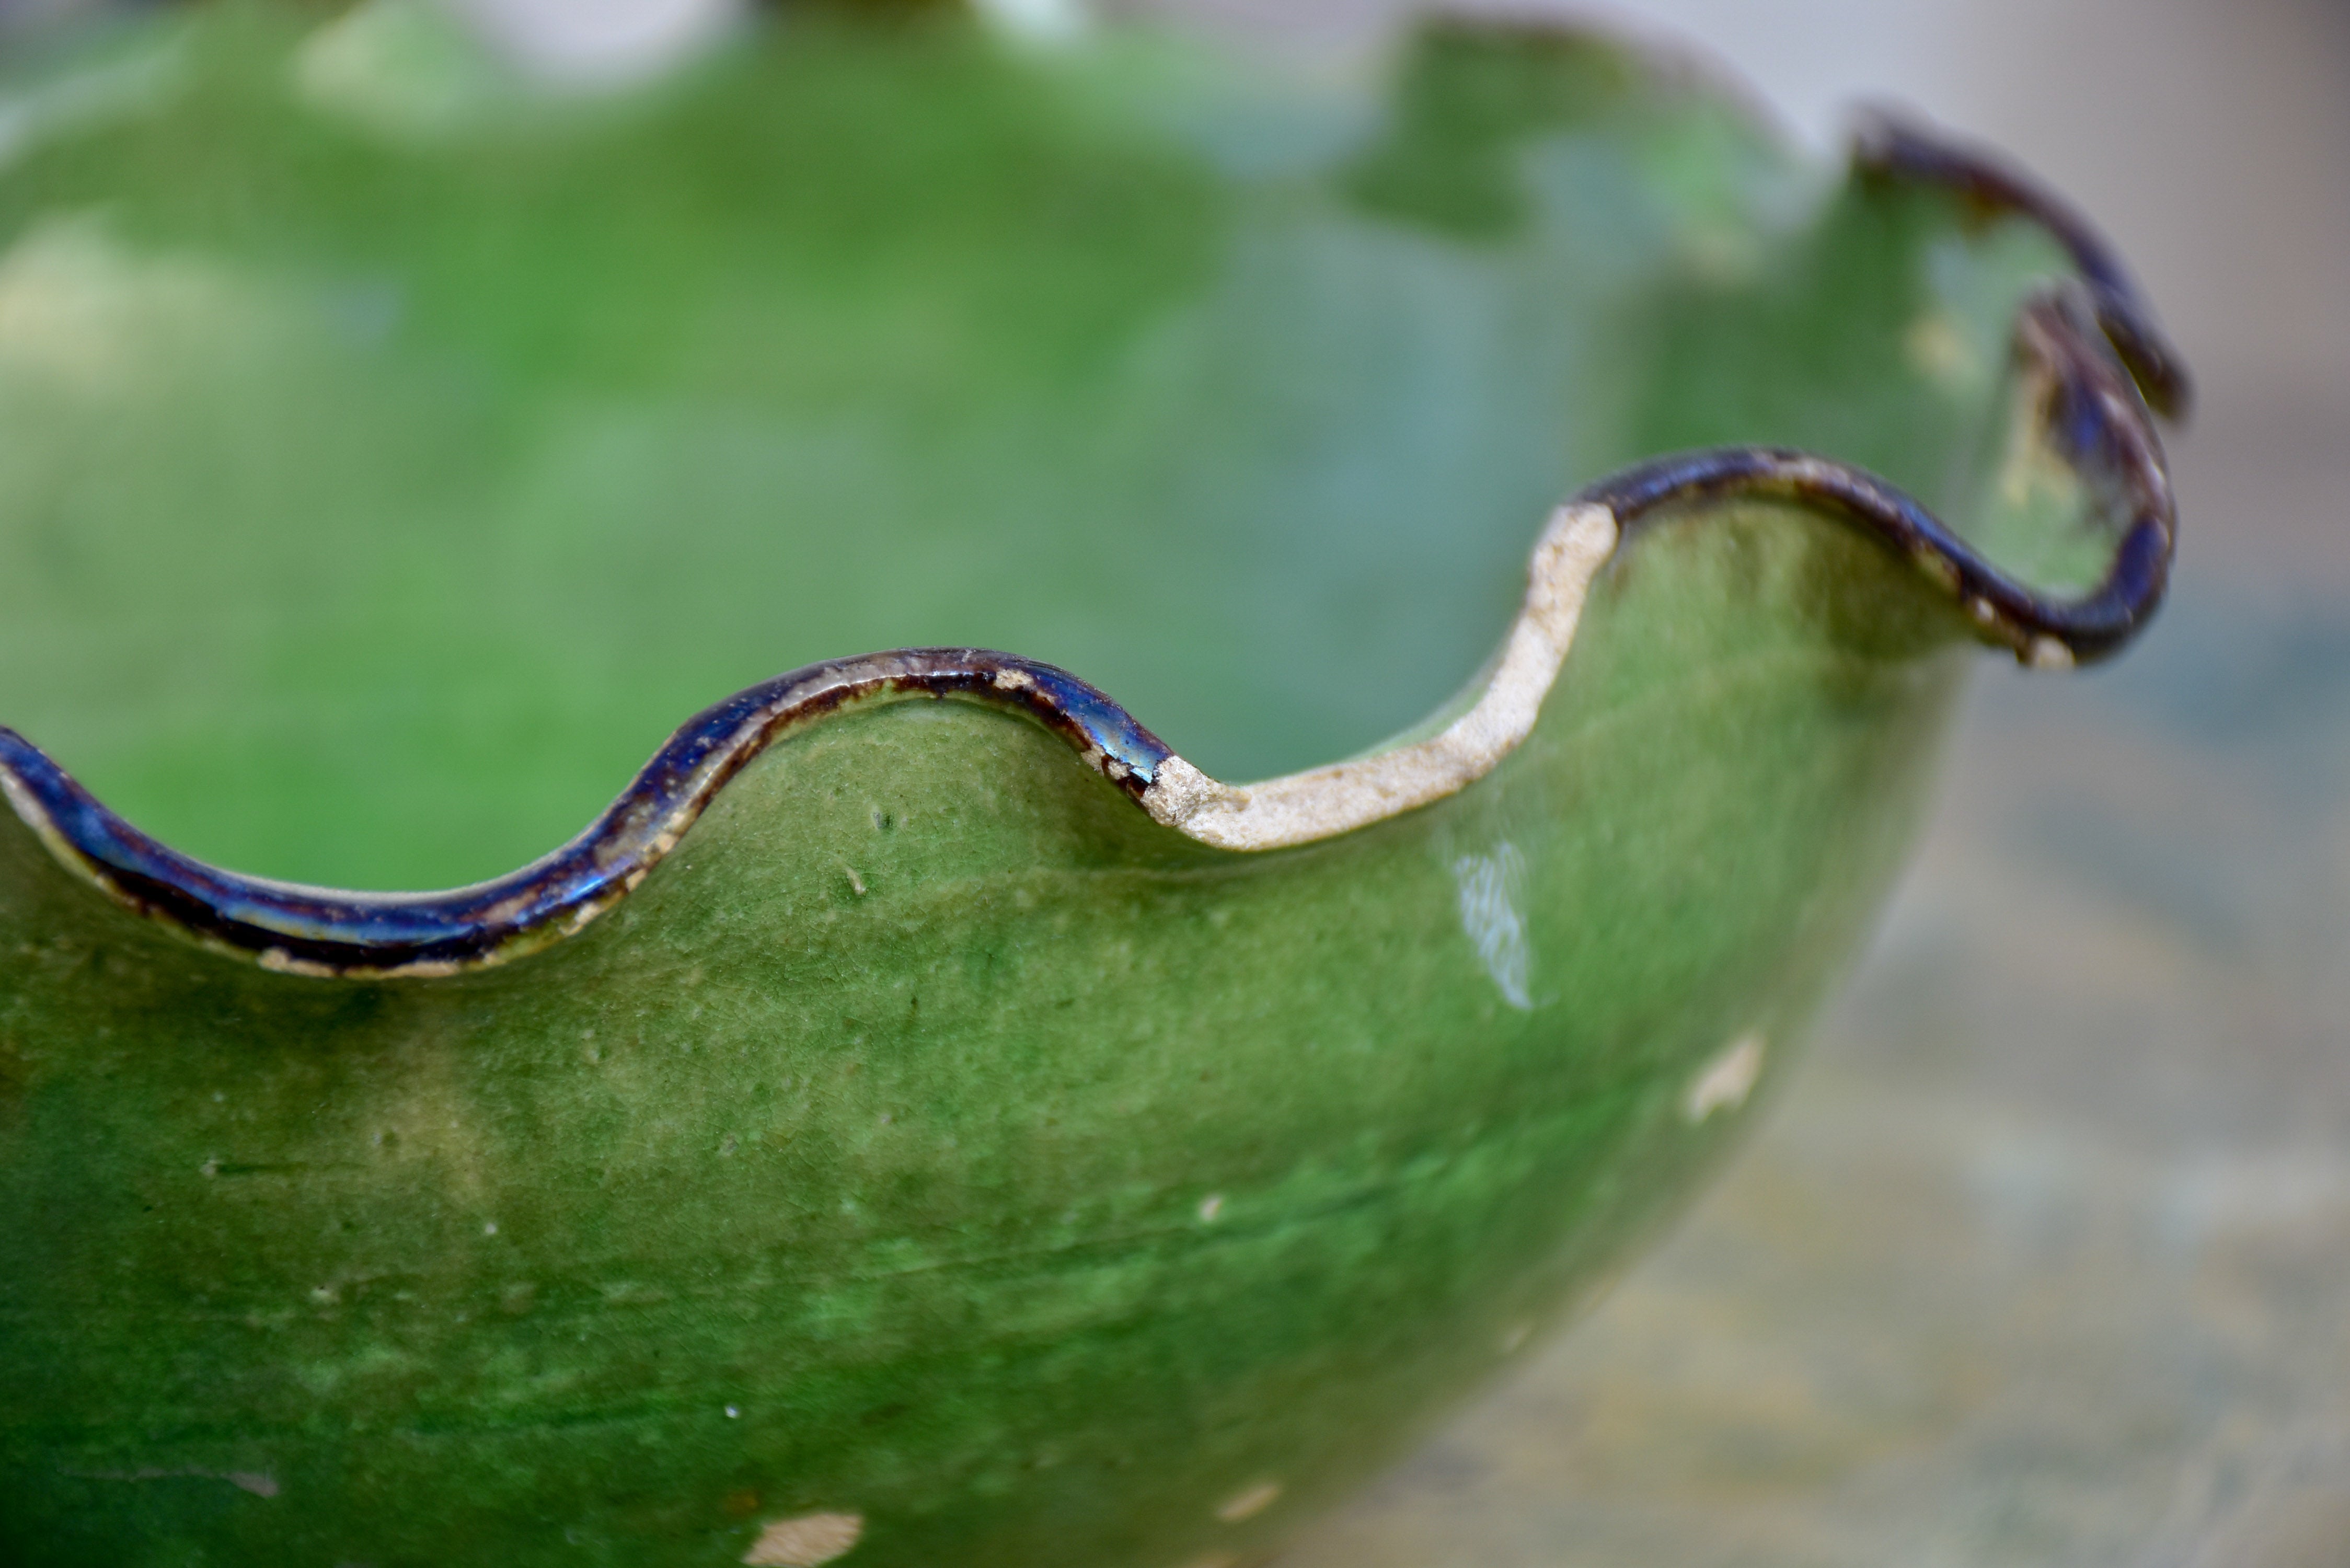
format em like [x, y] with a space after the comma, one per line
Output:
[805, 1539]
[1211, 1205]
[1724, 1083]
[1944, 572]
[1248, 1504]
[284, 963]
[855, 880]
[2047, 653]
[1300, 808]
[1489, 914]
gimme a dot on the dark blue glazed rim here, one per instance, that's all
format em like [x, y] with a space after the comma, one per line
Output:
[2101, 369]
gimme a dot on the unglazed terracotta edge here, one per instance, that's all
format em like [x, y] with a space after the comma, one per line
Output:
[1322, 803]
[2093, 361]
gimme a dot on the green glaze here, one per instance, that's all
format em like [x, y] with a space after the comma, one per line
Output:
[934, 1137]
[375, 506]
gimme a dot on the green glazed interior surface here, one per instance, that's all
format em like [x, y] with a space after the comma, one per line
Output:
[933, 1140]
[378, 494]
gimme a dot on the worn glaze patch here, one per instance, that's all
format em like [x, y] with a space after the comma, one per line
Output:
[805, 1541]
[1247, 1503]
[1726, 1080]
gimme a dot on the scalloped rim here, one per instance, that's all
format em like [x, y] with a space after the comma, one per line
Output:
[2094, 362]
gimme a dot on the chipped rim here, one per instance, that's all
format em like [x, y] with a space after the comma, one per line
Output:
[2092, 356]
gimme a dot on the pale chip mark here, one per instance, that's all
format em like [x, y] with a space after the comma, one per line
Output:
[1941, 568]
[1322, 803]
[805, 1540]
[1247, 1505]
[1724, 1083]
[1937, 348]
[1211, 1205]
[284, 963]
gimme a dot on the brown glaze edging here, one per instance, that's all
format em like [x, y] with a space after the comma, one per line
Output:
[324, 931]
[1887, 144]
[2089, 412]
[2093, 358]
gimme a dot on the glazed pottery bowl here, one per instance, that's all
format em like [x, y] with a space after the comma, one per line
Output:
[931, 1117]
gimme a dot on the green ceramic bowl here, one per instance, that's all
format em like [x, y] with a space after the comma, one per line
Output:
[928, 1116]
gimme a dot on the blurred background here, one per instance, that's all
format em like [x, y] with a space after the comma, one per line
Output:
[2044, 1256]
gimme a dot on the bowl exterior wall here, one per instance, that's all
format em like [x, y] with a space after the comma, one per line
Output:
[935, 1141]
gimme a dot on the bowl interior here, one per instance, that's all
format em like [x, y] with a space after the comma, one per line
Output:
[393, 459]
